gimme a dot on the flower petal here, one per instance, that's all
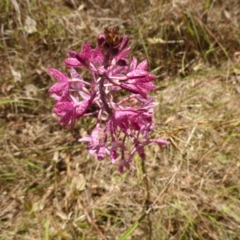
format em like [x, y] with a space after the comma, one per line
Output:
[57, 74]
[82, 108]
[133, 64]
[136, 74]
[143, 65]
[61, 108]
[58, 87]
[72, 62]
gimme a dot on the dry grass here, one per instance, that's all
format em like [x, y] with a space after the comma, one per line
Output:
[51, 189]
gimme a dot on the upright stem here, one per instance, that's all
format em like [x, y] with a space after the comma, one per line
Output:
[147, 199]
[103, 97]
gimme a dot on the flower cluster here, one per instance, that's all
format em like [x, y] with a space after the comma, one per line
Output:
[124, 124]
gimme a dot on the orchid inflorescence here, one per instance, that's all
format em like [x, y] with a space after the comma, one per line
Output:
[123, 124]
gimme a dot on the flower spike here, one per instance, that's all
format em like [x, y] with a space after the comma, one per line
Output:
[123, 124]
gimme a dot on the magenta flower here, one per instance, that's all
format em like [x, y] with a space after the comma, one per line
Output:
[70, 111]
[96, 144]
[123, 125]
[85, 57]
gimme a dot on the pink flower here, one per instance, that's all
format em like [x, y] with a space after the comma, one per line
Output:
[60, 88]
[70, 111]
[123, 124]
[86, 57]
[96, 144]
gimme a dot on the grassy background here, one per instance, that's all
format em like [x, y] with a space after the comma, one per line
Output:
[51, 189]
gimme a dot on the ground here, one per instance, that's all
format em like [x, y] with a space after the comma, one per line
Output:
[50, 188]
